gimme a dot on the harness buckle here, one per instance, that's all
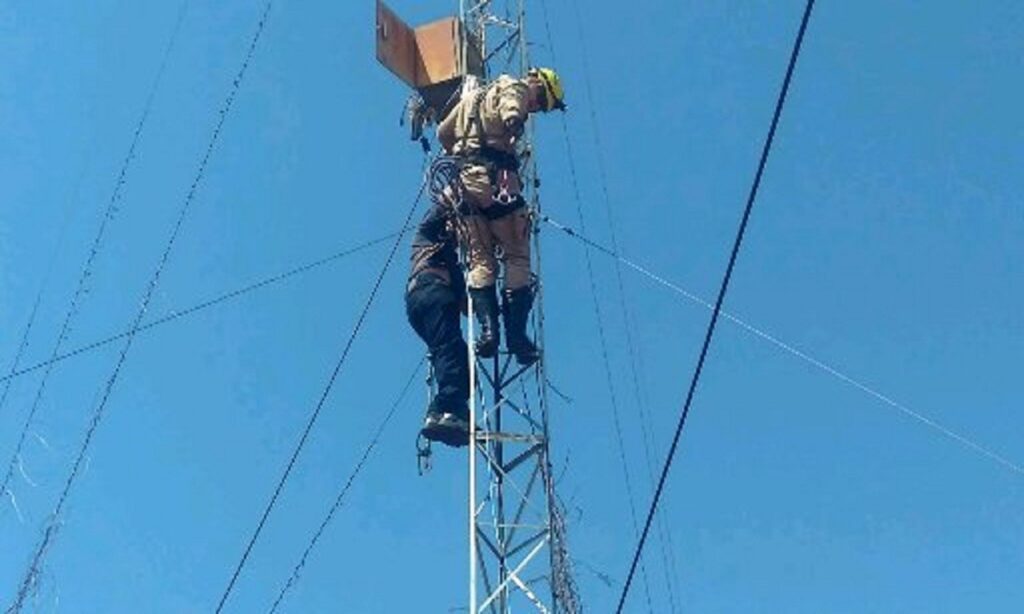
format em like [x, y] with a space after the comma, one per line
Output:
[506, 192]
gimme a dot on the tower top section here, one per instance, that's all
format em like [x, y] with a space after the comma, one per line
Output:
[428, 58]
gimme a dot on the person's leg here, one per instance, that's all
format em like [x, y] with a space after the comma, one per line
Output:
[482, 273]
[433, 311]
[450, 360]
[512, 232]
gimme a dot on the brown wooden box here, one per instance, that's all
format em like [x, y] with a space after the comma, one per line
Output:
[427, 57]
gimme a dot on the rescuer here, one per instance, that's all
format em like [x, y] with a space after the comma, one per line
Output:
[434, 297]
[483, 131]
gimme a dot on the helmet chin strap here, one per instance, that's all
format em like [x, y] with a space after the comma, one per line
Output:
[538, 95]
[541, 93]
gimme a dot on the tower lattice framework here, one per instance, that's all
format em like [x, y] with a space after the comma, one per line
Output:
[518, 556]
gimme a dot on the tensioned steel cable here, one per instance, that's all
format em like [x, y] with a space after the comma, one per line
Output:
[789, 348]
[22, 345]
[44, 285]
[27, 333]
[94, 250]
[340, 498]
[311, 421]
[606, 363]
[721, 297]
[664, 532]
[565, 597]
[176, 314]
[32, 571]
[603, 342]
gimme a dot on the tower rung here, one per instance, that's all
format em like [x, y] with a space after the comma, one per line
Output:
[510, 437]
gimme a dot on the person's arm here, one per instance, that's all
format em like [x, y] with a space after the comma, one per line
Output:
[446, 130]
[512, 105]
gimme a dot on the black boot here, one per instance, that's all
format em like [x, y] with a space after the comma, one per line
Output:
[516, 309]
[448, 428]
[485, 306]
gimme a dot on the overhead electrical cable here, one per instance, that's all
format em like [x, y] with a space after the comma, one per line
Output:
[721, 297]
[340, 498]
[32, 571]
[795, 351]
[81, 287]
[315, 414]
[176, 314]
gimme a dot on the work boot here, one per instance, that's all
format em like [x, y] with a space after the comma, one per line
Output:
[450, 429]
[485, 307]
[516, 309]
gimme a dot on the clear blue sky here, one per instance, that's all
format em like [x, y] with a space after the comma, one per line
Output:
[888, 241]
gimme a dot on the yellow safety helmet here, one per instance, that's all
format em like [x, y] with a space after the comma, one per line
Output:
[552, 87]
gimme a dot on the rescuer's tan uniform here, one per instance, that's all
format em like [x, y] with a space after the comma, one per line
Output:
[481, 129]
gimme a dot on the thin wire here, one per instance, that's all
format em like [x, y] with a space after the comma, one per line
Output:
[32, 570]
[94, 250]
[802, 355]
[561, 552]
[297, 570]
[721, 297]
[564, 589]
[22, 345]
[319, 406]
[663, 530]
[233, 294]
[43, 287]
[606, 362]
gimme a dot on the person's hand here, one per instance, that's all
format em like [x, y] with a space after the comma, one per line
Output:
[514, 126]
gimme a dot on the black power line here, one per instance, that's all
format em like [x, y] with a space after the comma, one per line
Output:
[32, 571]
[315, 414]
[81, 288]
[721, 296]
[301, 564]
[227, 296]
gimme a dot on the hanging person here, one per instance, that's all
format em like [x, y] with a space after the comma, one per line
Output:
[483, 131]
[434, 298]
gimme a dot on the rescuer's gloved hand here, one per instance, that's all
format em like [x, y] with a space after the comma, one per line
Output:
[514, 125]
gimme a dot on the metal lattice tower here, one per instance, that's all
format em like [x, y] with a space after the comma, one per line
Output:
[518, 558]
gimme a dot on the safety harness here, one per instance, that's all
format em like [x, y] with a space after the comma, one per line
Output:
[502, 166]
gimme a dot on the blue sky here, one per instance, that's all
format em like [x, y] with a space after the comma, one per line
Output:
[886, 242]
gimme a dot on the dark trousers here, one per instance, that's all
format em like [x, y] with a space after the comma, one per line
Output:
[433, 310]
